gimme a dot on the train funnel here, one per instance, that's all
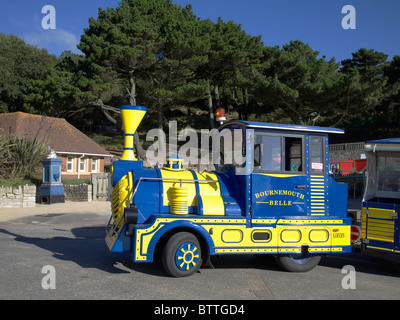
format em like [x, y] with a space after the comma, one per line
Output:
[131, 118]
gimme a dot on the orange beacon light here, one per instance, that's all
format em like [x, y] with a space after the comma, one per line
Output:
[220, 115]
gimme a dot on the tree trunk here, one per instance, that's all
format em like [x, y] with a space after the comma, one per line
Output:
[245, 104]
[210, 107]
[140, 153]
[217, 98]
[238, 107]
[132, 92]
[160, 117]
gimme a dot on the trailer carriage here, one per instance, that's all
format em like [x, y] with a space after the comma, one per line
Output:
[380, 225]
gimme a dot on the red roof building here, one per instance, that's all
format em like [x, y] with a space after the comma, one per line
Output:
[81, 156]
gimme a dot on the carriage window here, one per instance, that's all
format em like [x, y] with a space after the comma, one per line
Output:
[316, 154]
[388, 170]
[277, 153]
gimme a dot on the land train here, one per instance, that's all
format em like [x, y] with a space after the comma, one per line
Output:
[280, 201]
[380, 224]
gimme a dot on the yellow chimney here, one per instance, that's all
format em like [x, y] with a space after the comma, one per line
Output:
[131, 118]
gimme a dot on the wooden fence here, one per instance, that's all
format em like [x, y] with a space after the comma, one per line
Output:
[101, 186]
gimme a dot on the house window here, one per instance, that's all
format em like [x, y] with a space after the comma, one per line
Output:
[70, 164]
[94, 165]
[82, 164]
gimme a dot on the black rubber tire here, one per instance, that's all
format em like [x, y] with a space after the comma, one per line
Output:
[177, 248]
[292, 263]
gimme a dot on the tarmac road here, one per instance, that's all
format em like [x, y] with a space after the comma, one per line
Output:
[70, 237]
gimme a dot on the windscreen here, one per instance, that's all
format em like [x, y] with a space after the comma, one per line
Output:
[383, 175]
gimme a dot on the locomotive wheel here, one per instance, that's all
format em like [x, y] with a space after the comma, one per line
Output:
[298, 262]
[182, 255]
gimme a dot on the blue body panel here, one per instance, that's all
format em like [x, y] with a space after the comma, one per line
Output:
[277, 196]
[148, 196]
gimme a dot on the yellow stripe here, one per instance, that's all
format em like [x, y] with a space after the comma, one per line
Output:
[379, 248]
[210, 194]
[280, 175]
[170, 174]
[263, 220]
[379, 213]
[311, 221]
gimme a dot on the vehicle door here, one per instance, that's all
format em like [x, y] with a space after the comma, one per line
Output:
[279, 179]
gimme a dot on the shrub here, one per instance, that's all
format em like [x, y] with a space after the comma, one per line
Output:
[20, 157]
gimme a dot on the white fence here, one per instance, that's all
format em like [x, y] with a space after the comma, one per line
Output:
[354, 146]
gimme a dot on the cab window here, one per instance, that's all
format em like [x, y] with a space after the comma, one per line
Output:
[231, 149]
[316, 154]
[278, 153]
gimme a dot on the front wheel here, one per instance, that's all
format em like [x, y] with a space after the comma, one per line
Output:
[182, 255]
[298, 262]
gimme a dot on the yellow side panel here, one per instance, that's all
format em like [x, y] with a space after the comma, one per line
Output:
[232, 236]
[210, 193]
[290, 236]
[340, 235]
[374, 228]
[380, 213]
[169, 174]
[314, 236]
[319, 235]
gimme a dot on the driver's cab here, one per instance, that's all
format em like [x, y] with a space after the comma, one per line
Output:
[281, 170]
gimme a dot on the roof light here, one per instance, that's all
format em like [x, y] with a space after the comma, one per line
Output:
[220, 115]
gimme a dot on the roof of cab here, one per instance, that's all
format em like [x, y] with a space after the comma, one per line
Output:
[386, 141]
[279, 126]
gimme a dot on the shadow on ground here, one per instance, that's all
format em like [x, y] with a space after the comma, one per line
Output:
[88, 249]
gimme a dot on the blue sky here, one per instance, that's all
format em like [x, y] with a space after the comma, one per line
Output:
[316, 22]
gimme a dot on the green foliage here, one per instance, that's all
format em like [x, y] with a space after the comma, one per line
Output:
[109, 142]
[19, 64]
[20, 157]
[75, 181]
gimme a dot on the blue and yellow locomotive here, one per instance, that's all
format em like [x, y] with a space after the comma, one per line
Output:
[285, 205]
